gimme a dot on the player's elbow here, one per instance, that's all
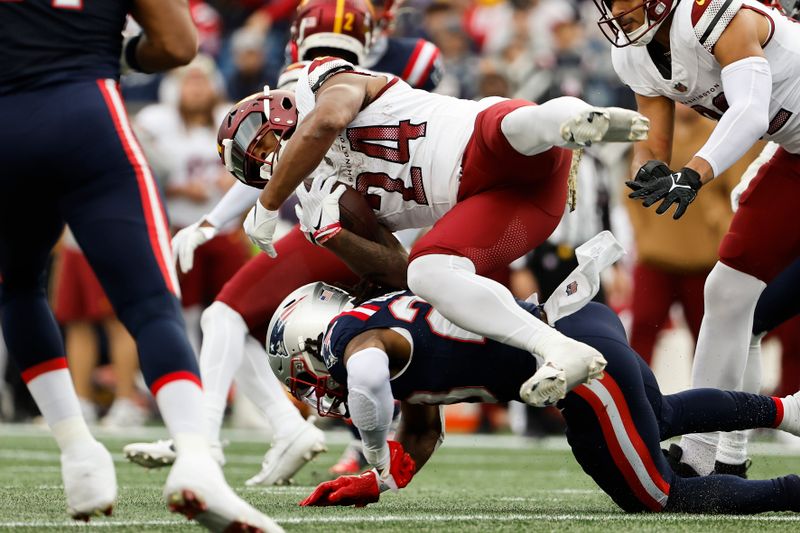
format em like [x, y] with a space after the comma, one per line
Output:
[179, 48]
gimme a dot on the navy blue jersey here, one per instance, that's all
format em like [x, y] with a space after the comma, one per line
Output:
[52, 41]
[448, 364]
[417, 61]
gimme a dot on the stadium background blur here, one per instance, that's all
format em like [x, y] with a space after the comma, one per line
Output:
[532, 49]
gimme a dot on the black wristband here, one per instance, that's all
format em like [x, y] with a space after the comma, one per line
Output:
[130, 53]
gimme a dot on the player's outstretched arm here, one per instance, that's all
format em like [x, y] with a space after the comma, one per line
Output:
[338, 102]
[169, 37]
[420, 431]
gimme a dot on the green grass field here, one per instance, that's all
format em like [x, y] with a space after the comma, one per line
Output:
[471, 484]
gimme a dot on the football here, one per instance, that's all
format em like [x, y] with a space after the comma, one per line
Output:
[356, 215]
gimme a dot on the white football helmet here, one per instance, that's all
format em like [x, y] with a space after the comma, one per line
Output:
[294, 345]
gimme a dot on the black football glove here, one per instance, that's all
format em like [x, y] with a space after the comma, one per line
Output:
[677, 188]
[648, 173]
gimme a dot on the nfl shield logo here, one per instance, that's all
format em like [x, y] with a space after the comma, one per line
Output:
[680, 87]
[572, 288]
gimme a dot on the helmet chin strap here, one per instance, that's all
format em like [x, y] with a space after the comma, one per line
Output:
[646, 35]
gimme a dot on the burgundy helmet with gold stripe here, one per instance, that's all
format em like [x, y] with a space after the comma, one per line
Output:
[333, 24]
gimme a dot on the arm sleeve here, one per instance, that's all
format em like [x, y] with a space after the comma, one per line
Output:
[369, 396]
[236, 201]
[748, 87]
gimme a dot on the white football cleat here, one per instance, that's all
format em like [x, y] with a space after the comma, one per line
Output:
[288, 455]
[90, 482]
[605, 124]
[567, 364]
[197, 489]
[162, 453]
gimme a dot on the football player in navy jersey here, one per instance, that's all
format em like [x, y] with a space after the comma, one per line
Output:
[342, 356]
[68, 155]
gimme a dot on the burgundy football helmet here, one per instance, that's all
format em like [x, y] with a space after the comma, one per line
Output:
[340, 24]
[655, 12]
[295, 346]
[239, 139]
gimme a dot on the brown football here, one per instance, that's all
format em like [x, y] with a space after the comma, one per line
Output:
[356, 215]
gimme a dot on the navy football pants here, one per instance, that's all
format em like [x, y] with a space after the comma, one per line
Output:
[67, 154]
[780, 300]
[615, 426]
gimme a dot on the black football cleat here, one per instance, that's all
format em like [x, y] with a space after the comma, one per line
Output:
[673, 457]
[739, 470]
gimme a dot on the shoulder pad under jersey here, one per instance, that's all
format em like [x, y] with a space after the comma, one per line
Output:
[322, 68]
[710, 18]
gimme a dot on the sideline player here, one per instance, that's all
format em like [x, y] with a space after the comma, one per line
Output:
[234, 325]
[737, 62]
[397, 346]
[71, 157]
[491, 175]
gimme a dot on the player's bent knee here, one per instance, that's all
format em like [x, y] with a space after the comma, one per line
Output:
[218, 313]
[139, 313]
[728, 291]
[427, 274]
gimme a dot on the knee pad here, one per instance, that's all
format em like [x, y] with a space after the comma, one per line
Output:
[728, 291]
[218, 313]
[428, 273]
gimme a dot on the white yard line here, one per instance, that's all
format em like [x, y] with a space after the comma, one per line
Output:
[541, 517]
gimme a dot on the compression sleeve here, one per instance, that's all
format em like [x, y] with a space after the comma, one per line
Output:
[369, 397]
[234, 204]
[748, 87]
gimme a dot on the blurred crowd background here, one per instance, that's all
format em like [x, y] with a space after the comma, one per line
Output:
[532, 49]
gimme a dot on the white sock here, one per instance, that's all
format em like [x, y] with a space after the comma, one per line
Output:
[484, 306]
[55, 396]
[722, 346]
[260, 385]
[732, 446]
[180, 403]
[224, 333]
[699, 451]
[534, 129]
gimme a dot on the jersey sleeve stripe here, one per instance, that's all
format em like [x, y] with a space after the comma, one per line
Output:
[714, 19]
[427, 74]
[422, 63]
[154, 213]
[412, 61]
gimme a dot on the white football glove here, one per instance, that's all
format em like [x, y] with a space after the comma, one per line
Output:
[318, 210]
[186, 241]
[259, 224]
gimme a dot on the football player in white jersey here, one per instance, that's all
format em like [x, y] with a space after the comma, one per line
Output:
[736, 61]
[491, 176]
